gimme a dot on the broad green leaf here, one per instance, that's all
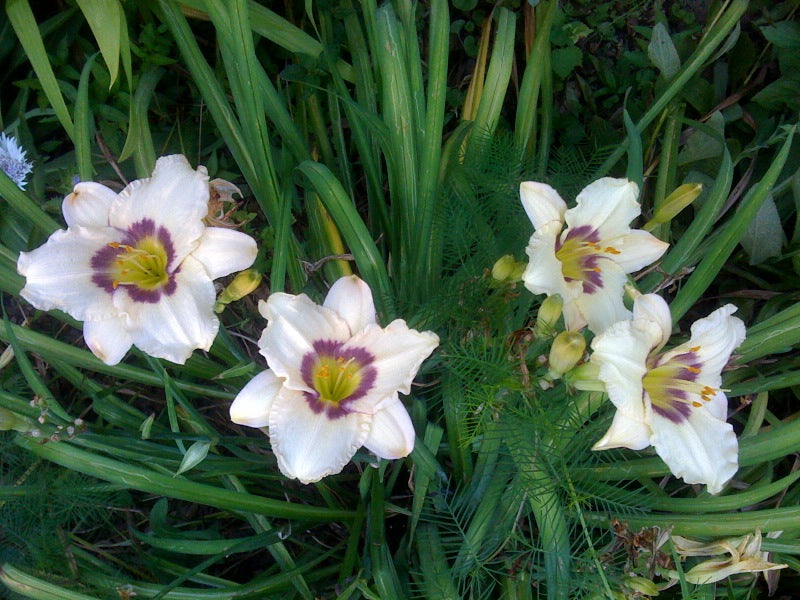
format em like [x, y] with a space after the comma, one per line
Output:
[564, 60]
[662, 53]
[105, 19]
[782, 92]
[785, 34]
[700, 145]
[764, 237]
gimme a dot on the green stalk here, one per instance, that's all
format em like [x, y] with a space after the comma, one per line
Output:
[48, 347]
[25, 206]
[774, 443]
[147, 480]
[22, 20]
[439, 37]
[84, 125]
[399, 115]
[533, 79]
[498, 74]
[773, 519]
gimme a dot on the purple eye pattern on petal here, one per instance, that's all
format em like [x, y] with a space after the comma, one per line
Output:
[673, 388]
[338, 375]
[581, 256]
[142, 262]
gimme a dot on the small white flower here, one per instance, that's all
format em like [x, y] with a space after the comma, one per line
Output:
[333, 381]
[586, 263]
[12, 160]
[671, 400]
[137, 267]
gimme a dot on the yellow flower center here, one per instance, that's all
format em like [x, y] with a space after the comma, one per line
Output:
[335, 378]
[143, 265]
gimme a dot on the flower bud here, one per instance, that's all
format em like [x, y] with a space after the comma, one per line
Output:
[566, 351]
[244, 283]
[508, 270]
[673, 204]
[641, 586]
[10, 420]
[548, 315]
[585, 377]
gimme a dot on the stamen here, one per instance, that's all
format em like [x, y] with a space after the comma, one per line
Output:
[612, 250]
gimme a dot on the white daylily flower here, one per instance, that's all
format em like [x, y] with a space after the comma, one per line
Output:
[586, 263]
[13, 162]
[671, 400]
[745, 553]
[333, 381]
[137, 267]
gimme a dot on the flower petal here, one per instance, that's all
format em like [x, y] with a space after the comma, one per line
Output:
[717, 336]
[310, 446]
[252, 405]
[294, 324]
[392, 433]
[175, 196]
[399, 352]
[604, 306]
[108, 339]
[608, 205]
[178, 324]
[543, 274]
[542, 203]
[88, 205]
[625, 432]
[59, 274]
[621, 353]
[351, 298]
[701, 449]
[224, 251]
[637, 249]
[654, 309]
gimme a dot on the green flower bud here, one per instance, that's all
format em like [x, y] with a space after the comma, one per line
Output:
[673, 204]
[548, 316]
[566, 351]
[508, 270]
[585, 377]
[642, 586]
[243, 284]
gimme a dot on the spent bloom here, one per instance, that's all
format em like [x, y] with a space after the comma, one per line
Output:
[138, 267]
[333, 381]
[583, 254]
[671, 400]
[744, 556]
[12, 160]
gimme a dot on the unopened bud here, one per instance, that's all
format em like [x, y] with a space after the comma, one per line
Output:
[508, 270]
[673, 204]
[641, 586]
[548, 315]
[586, 377]
[10, 420]
[6, 357]
[566, 351]
[243, 284]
